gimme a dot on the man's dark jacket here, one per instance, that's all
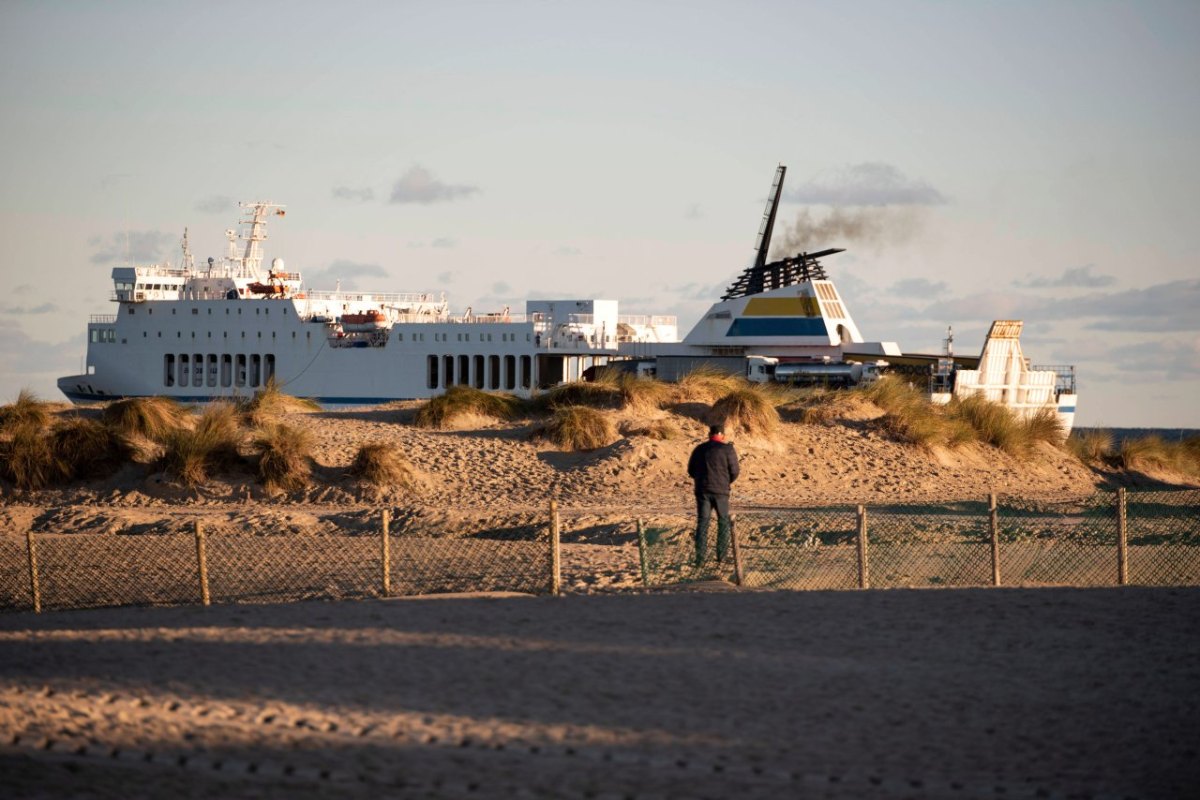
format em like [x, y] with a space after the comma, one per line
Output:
[713, 466]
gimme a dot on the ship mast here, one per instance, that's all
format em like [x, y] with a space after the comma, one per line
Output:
[246, 266]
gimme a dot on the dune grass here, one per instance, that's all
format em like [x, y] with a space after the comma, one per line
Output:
[660, 429]
[155, 418]
[269, 402]
[28, 458]
[284, 456]
[27, 409]
[459, 401]
[86, 448]
[579, 428]
[706, 385]
[1092, 446]
[1155, 453]
[210, 446]
[384, 466]
[910, 417]
[747, 411]
[993, 424]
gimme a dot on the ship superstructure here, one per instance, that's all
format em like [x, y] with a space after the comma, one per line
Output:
[224, 329]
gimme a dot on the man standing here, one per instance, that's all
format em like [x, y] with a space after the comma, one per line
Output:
[713, 467]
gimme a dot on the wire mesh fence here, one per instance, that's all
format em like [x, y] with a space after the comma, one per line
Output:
[1148, 538]
[1112, 538]
[224, 563]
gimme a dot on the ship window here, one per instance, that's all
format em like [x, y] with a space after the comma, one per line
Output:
[239, 311]
[172, 312]
[257, 310]
[477, 372]
[131, 309]
[268, 368]
[510, 372]
[144, 334]
[149, 310]
[266, 311]
[226, 370]
[431, 380]
[169, 370]
[399, 337]
[494, 372]
[210, 312]
[260, 334]
[464, 364]
[448, 368]
[185, 369]
[198, 369]
[210, 334]
[285, 311]
[160, 334]
[526, 377]
[272, 334]
[95, 335]
[195, 311]
[527, 337]
[240, 378]
[255, 369]
[293, 334]
[227, 312]
[243, 334]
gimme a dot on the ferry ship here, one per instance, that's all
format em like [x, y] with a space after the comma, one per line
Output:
[224, 329]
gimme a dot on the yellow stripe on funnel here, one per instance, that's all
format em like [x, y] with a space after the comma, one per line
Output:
[782, 307]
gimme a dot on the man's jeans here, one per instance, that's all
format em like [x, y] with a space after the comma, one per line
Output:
[706, 503]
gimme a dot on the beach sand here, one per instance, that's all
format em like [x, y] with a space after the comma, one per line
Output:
[889, 694]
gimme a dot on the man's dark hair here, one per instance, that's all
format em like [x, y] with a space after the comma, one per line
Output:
[716, 428]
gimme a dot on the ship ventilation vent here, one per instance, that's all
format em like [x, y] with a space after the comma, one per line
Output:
[786, 272]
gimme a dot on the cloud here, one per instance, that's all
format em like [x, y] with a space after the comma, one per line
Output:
[500, 288]
[448, 276]
[444, 242]
[23, 360]
[363, 195]
[44, 308]
[1073, 278]
[24, 288]
[566, 250]
[419, 186]
[216, 204]
[348, 272]
[871, 183]
[917, 287]
[1174, 360]
[132, 246]
[693, 211]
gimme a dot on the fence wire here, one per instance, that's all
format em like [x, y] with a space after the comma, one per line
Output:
[91, 570]
[1038, 543]
[1164, 537]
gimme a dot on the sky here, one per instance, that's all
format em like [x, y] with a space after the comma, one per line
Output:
[978, 161]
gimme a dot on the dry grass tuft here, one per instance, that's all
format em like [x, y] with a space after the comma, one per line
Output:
[26, 410]
[1150, 452]
[284, 455]
[459, 401]
[1092, 446]
[641, 394]
[1044, 425]
[910, 417]
[86, 448]
[579, 428]
[994, 424]
[155, 418]
[602, 393]
[269, 402]
[28, 458]
[749, 411]
[193, 454]
[383, 466]
[707, 385]
[661, 429]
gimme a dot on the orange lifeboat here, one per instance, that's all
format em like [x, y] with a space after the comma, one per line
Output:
[371, 320]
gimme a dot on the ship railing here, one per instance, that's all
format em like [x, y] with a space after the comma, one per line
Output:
[473, 319]
[647, 320]
[102, 319]
[370, 297]
[1064, 381]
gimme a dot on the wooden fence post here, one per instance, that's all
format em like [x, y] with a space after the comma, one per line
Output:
[1122, 540]
[34, 589]
[555, 558]
[738, 574]
[201, 563]
[385, 553]
[864, 567]
[994, 526]
[641, 534]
